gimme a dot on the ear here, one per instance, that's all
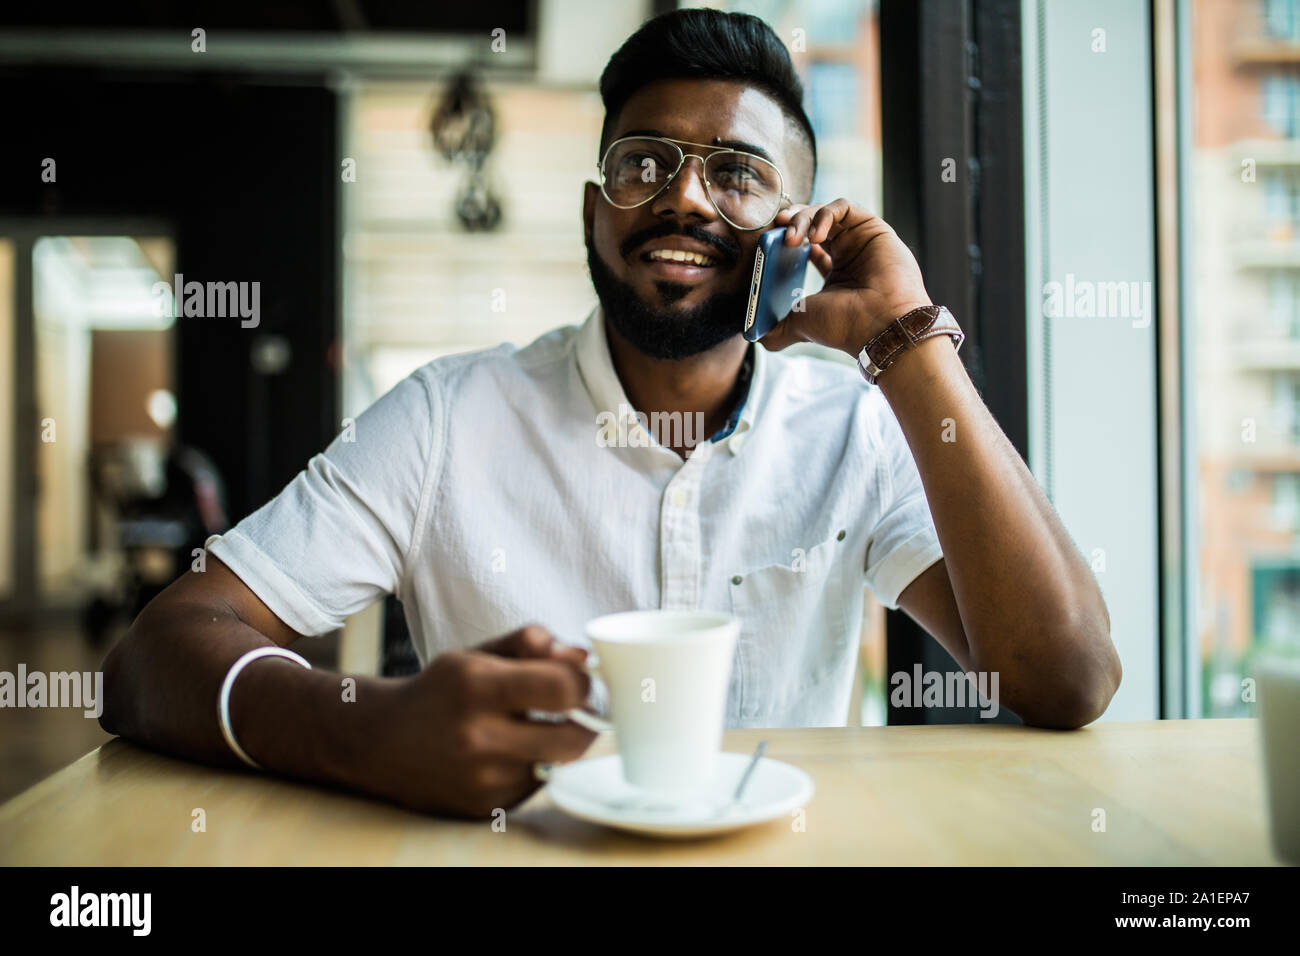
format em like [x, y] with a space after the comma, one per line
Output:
[590, 195]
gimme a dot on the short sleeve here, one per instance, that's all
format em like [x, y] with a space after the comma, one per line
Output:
[903, 542]
[336, 539]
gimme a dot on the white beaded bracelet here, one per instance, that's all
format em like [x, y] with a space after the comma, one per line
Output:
[223, 699]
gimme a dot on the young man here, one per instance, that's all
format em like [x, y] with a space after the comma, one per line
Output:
[516, 485]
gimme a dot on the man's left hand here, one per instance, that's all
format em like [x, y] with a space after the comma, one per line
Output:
[871, 277]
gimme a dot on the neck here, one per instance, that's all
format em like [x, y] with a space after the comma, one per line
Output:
[679, 388]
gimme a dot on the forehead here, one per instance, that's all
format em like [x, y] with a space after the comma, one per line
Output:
[698, 110]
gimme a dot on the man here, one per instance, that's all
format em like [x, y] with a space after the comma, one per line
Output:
[497, 488]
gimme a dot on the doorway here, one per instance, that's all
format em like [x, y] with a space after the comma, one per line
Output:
[86, 344]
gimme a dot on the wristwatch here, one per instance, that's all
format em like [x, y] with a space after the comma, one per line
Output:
[904, 333]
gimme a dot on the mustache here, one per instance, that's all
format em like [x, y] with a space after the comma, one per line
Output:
[728, 251]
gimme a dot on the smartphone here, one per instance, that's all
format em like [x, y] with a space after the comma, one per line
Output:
[779, 272]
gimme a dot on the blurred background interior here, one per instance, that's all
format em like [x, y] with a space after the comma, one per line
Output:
[392, 172]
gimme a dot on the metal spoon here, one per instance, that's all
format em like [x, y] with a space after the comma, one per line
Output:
[744, 779]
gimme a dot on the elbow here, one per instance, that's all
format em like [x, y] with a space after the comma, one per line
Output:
[1100, 670]
[1077, 705]
[109, 716]
[1075, 688]
[118, 667]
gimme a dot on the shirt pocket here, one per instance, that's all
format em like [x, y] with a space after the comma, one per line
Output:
[792, 629]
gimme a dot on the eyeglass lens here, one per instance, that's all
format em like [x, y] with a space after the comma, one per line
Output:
[745, 188]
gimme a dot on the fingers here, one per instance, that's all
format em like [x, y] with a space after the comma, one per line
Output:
[514, 687]
[497, 783]
[820, 223]
[794, 217]
[535, 642]
[821, 260]
[783, 335]
[533, 741]
[532, 641]
[574, 656]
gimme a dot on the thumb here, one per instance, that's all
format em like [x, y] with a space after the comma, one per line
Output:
[788, 331]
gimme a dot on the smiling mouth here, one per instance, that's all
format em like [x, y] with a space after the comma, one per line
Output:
[679, 265]
[680, 255]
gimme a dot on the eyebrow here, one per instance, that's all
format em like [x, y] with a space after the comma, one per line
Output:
[720, 144]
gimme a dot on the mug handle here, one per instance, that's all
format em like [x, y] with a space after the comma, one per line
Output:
[583, 718]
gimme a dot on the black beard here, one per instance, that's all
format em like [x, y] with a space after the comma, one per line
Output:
[666, 333]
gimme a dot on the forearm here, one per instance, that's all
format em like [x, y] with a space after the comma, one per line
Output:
[161, 685]
[1030, 605]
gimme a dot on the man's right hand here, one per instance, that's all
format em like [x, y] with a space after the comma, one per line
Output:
[452, 739]
[458, 739]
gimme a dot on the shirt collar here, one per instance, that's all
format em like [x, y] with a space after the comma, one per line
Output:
[596, 369]
[741, 396]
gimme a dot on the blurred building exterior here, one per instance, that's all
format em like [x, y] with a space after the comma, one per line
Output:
[1244, 204]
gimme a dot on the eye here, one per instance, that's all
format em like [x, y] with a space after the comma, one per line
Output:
[735, 175]
[635, 165]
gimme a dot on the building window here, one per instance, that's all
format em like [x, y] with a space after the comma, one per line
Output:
[1286, 500]
[1282, 19]
[1276, 602]
[1286, 405]
[1284, 302]
[1282, 203]
[1281, 106]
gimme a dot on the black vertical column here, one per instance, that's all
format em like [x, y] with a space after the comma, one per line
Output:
[953, 189]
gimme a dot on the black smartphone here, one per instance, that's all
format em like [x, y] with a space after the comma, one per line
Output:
[779, 272]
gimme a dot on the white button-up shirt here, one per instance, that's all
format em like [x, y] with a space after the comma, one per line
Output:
[486, 492]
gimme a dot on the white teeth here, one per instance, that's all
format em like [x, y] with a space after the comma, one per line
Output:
[681, 255]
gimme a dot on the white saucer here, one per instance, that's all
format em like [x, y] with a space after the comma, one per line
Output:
[594, 790]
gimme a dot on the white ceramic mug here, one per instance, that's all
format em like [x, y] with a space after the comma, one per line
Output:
[667, 673]
[1279, 713]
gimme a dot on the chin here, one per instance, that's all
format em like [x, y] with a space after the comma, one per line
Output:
[672, 295]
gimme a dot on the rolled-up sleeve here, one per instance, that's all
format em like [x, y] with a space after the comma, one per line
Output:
[336, 538]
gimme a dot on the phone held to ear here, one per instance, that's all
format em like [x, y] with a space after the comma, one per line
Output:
[779, 272]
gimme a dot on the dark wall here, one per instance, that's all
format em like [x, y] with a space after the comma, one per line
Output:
[245, 172]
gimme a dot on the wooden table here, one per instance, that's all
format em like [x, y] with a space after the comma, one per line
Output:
[1173, 792]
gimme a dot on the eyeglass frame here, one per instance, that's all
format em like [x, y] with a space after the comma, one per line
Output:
[600, 168]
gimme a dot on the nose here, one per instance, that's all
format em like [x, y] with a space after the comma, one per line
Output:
[685, 195]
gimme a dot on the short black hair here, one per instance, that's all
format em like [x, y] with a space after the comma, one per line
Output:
[705, 44]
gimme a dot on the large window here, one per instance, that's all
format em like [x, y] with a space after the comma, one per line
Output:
[1241, 219]
[1091, 232]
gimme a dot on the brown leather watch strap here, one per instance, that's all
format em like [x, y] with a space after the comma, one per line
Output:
[904, 333]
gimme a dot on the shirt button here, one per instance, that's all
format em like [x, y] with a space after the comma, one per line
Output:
[680, 497]
[840, 536]
[737, 579]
